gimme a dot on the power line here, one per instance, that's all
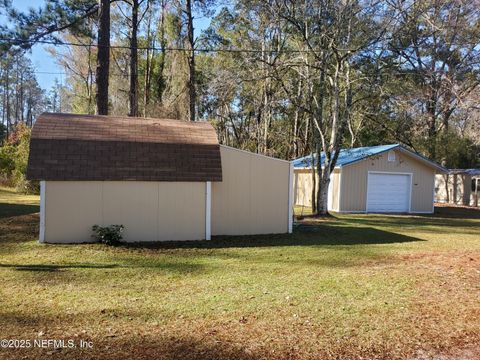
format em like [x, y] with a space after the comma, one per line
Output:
[72, 73]
[204, 50]
[61, 43]
[126, 47]
[388, 72]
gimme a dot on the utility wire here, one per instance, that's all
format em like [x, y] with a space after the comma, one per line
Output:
[126, 47]
[72, 73]
[14, 41]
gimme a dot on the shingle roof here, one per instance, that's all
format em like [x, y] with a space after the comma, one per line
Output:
[87, 147]
[350, 156]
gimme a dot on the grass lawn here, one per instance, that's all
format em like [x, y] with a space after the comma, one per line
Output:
[12, 203]
[353, 286]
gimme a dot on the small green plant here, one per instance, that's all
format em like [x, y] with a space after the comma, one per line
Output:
[108, 235]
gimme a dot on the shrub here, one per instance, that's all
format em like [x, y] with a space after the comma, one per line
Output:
[14, 158]
[108, 235]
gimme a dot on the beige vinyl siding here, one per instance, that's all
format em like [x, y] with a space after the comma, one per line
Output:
[150, 211]
[303, 187]
[71, 209]
[303, 184]
[354, 181]
[253, 196]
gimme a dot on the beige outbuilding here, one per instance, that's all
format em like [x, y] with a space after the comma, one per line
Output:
[383, 179]
[458, 186]
[164, 180]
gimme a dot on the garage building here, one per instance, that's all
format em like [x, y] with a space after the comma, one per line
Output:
[162, 179]
[385, 178]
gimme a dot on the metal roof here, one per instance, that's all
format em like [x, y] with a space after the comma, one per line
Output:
[472, 172]
[350, 156]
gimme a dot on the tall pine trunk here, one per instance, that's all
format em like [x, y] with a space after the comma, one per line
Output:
[133, 93]
[149, 65]
[322, 200]
[161, 83]
[191, 61]
[7, 98]
[103, 57]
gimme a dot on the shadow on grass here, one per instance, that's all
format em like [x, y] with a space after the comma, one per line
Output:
[456, 212]
[119, 340]
[179, 267]
[182, 347]
[303, 235]
[54, 267]
[423, 222]
[9, 210]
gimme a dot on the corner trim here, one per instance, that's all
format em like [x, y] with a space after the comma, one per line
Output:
[41, 235]
[340, 191]
[208, 210]
[290, 198]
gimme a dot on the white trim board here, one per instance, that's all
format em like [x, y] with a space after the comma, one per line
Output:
[340, 191]
[391, 173]
[41, 235]
[290, 199]
[208, 210]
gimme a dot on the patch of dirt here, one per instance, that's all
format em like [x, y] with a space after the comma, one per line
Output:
[468, 353]
[448, 260]
[314, 220]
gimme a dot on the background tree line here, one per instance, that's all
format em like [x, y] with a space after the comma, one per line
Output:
[281, 78]
[21, 100]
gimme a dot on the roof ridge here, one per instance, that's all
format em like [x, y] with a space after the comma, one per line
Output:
[120, 117]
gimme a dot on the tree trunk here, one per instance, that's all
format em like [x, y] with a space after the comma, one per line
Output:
[295, 133]
[148, 65]
[446, 177]
[314, 186]
[3, 105]
[191, 61]
[296, 120]
[322, 202]
[89, 83]
[103, 57]
[432, 125]
[133, 93]
[161, 84]
[7, 99]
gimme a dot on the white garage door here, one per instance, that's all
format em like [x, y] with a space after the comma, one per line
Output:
[388, 192]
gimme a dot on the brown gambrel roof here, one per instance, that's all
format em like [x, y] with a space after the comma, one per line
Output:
[85, 147]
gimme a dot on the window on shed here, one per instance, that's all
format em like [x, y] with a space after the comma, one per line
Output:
[391, 155]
